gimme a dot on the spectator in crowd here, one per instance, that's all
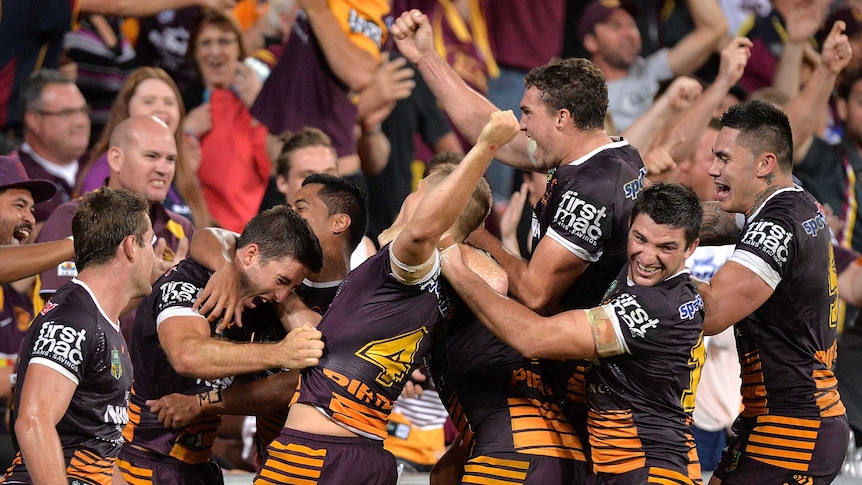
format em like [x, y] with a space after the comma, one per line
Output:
[338, 44]
[522, 37]
[104, 58]
[18, 194]
[150, 91]
[142, 157]
[56, 135]
[231, 140]
[610, 36]
[418, 114]
[788, 25]
[75, 373]
[31, 38]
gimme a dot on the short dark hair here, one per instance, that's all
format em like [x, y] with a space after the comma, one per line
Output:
[34, 87]
[674, 205]
[281, 232]
[306, 137]
[762, 128]
[576, 85]
[104, 218]
[342, 196]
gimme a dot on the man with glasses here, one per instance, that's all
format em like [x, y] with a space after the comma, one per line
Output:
[56, 135]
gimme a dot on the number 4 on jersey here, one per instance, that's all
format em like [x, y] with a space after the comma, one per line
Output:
[394, 355]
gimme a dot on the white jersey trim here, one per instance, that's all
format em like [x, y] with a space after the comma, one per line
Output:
[55, 366]
[618, 142]
[571, 247]
[617, 326]
[325, 284]
[758, 266]
[83, 285]
[176, 311]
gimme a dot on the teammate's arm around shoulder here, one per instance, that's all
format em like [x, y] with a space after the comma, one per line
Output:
[412, 254]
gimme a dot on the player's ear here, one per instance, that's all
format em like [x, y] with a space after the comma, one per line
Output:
[340, 223]
[128, 247]
[249, 254]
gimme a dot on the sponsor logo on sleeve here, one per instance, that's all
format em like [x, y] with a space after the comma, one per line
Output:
[633, 188]
[689, 309]
[815, 224]
[769, 238]
[61, 343]
[580, 217]
[177, 292]
[633, 315]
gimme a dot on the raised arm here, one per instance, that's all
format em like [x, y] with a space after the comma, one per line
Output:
[694, 120]
[352, 64]
[467, 109]
[710, 31]
[801, 110]
[443, 203]
[135, 8]
[18, 262]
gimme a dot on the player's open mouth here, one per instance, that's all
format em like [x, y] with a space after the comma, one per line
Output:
[646, 269]
[159, 183]
[21, 234]
[722, 189]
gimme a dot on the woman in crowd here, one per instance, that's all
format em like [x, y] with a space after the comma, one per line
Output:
[151, 91]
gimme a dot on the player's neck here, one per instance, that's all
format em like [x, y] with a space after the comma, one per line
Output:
[335, 267]
[109, 287]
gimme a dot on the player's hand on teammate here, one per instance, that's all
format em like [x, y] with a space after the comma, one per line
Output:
[500, 129]
[413, 385]
[301, 348]
[220, 298]
[413, 35]
[176, 410]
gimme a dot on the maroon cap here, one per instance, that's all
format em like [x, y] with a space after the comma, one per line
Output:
[851, 17]
[599, 10]
[13, 176]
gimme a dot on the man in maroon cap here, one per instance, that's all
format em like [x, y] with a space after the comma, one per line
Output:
[609, 34]
[18, 194]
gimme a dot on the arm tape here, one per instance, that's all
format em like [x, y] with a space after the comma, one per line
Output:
[604, 335]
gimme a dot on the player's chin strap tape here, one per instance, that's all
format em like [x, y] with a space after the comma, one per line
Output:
[606, 339]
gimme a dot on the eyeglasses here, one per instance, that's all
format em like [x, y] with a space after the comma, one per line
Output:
[65, 113]
[223, 42]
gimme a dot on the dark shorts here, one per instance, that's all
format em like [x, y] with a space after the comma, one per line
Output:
[298, 457]
[511, 468]
[640, 476]
[776, 449]
[139, 467]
